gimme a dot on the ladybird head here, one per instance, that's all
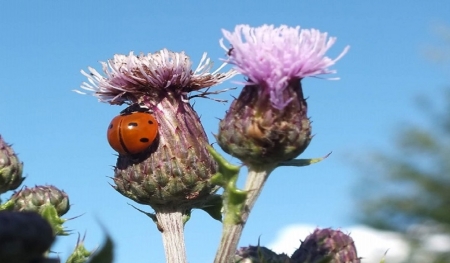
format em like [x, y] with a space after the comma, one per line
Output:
[136, 107]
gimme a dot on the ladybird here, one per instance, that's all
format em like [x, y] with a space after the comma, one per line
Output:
[133, 131]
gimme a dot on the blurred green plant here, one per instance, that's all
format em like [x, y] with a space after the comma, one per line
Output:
[408, 189]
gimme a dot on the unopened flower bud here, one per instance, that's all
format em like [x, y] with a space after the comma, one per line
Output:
[326, 245]
[34, 198]
[10, 168]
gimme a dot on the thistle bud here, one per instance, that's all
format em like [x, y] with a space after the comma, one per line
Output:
[257, 133]
[259, 254]
[10, 168]
[268, 122]
[80, 253]
[175, 170]
[34, 198]
[326, 245]
[24, 237]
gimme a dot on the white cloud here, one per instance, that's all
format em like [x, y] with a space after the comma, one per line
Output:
[438, 243]
[372, 245]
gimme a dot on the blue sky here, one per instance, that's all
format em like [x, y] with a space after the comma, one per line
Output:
[61, 136]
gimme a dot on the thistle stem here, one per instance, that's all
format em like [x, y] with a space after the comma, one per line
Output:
[231, 233]
[171, 226]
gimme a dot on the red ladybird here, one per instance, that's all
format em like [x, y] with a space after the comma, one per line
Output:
[133, 131]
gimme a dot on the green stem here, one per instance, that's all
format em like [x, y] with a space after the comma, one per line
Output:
[171, 226]
[231, 233]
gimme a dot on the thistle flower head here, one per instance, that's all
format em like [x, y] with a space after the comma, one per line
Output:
[176, 169]
[268, 122]
[131, 78]
[272, 57]
[326, 245]
[10, 168]
[36, 198]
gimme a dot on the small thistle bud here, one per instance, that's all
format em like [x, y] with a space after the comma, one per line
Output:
[175, 170]
[24, 237]
[258, 254]
[35, 198]
[10, 168]
[268, 122]
[326, 246]
[80, 253]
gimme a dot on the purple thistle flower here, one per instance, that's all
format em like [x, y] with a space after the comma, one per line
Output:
[268, 122]
[271, 57]
[129, 78]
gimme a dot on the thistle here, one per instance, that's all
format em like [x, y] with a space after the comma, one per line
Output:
[173, 175]
[326, 246]
[80, 254]
[268, 125]
[10, 168]
[268, 122]
[38, 197]
[176, 170]
[24, 237]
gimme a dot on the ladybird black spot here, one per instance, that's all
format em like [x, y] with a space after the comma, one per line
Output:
[110, 126]
[144, 140]
[133, 124]
[150, 122]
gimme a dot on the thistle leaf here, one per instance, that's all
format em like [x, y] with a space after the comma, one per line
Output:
[302, 162]
[105, 253]
[213, 206]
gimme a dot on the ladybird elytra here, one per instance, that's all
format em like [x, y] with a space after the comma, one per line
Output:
[132, 132]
